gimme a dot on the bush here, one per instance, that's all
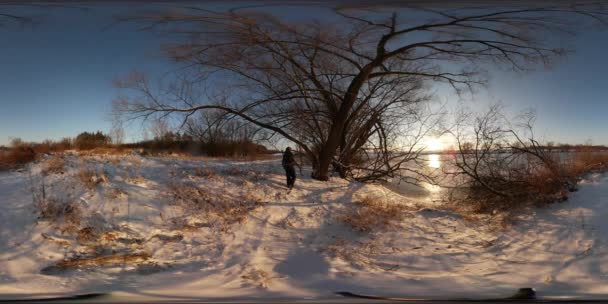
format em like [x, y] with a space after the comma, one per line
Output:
[584, 161]
[48, 146]
[87, 141]
[372, 213]
[16, 157]
[238, 149]
[543, 184]
[107, 150]
[90, 179]
[206, 173]
[55, 210]
[214, 210]
[55, 165]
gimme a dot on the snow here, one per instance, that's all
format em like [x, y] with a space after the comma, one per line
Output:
[291, 245]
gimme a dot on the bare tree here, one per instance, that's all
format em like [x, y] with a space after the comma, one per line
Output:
[334, 88]
[216, 126]
[159, 129]
[499, 162]
[117, 132]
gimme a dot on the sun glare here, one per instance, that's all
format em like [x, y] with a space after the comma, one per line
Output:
[434, 144]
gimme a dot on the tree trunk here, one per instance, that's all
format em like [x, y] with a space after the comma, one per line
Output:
[321, 168]
[337, 128]
[328, 151]
[344, 160]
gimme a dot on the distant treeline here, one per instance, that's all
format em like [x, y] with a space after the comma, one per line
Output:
[215, 149]
[568, 147]
[552, 148]
[84, 141]
[20, 152]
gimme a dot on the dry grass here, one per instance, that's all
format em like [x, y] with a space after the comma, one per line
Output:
[583, 162]
[234, 171]
[65, 215]
[190, 156]
[57, 207]
[87, 235]
[118, 151]
[206, 173]
[96, 261]
[248, 174]
[55, 165]
[16, 157]
[477, 202]
[546, 184]
[116, 193]
[58, 241]
[358, 254]
[262, 156]
[54, 209]
[136, 180]
[258, 277]
[90, 178]
[372, 213]
[214, 210]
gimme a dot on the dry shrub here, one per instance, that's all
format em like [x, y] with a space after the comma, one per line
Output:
[87, 235]
[108, 237]
[552, 182]
[256, 176]
[107, 260]
[67, 214]
[215, 210]
[116, 193]
[58, 241]
[207, 173]
[167, 238]
[97, 237]
[246, 173]
[258, 277]
[90, 178]
[55, 165]
[264, 156]
[135, 162]
[234, 171]
[109, 150]
[583, 162]
[477, 200]
[358, 254]
[48, 146]
[372, 213]
[16, 157]
[137, 180]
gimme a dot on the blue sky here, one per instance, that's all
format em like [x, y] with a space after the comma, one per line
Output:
[571, 98]
[56, 79]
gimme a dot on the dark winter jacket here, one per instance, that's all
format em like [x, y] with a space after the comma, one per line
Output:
[288, 159]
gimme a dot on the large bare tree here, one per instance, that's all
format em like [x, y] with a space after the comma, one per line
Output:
[336, 87]
[500, 164]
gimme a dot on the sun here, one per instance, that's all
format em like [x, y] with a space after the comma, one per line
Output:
[434, 144]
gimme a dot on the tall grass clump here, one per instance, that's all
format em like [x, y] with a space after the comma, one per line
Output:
[202, 208]
[17, 155]
[372, 213]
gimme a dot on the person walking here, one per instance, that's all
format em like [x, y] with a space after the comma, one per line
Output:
[289, 164]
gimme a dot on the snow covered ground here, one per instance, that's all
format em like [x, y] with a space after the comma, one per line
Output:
[287, 245]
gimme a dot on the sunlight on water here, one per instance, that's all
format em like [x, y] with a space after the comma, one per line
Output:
[432, 188]
[434, 161]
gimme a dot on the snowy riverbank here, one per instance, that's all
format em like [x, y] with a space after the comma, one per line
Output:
[290, 245]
